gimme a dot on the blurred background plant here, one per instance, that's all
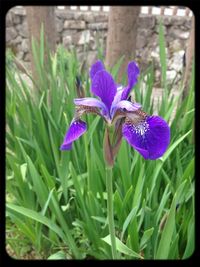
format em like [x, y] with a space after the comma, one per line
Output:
[56, 202]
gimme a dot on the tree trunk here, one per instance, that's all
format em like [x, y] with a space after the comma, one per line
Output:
[36, 16]
[189, 55]
[122, 32]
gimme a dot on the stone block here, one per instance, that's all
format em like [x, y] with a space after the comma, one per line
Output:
[67, 40]
[16, 19]
[146, 21]
[17, 40]
[93, 44]
[98, 26]
[188, 23]
[19, 11]
[167, 20]
[171, 74]
[20, 55]
[79, 15]
[23, 29]
[177, 21]
[59, 25]
[79, 48]
[176, 62]
[74, 24]
[84, 37]
[9, 20]
[92, 57]
[92, 17]
[25, 45]
[89, 17]
[11, 34]
[64, 14]
[27, 57]
[141, 41]
[101, 17]
[177, 33]
[147, 33]
[175, 45]
[69, 32]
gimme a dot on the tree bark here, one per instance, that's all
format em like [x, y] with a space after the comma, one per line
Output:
[122, 32]
[36, 16]
[189, 56]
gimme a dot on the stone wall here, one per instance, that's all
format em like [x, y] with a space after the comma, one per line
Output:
[82, 28]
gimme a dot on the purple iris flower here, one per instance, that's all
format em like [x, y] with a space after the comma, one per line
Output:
[149, 135]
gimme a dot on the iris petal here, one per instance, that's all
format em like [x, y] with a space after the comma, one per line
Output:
[132, 72]
[150, 137]
[104, 86]
[76, 129]
[92, 102]
[116, 99]
[66, 146]
[126, 106]
[97, 66]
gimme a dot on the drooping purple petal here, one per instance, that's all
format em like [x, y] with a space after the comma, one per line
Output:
[150, 137]
[92, 102]
[76, 129]
[97, 66]
[125, 106]
[132, 72]
[66, 146]
[104, 86]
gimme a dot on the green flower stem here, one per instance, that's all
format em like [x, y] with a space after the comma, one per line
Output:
[88, 163]
[110, 210]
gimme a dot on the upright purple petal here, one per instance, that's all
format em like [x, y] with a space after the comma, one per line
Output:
[104, 86]
[97, 66]
[132, 72]
[76, 129]
[117, 98]
[150, 137]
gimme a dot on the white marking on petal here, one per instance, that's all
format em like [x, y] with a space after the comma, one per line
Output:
[141, 128]
[120, 87]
